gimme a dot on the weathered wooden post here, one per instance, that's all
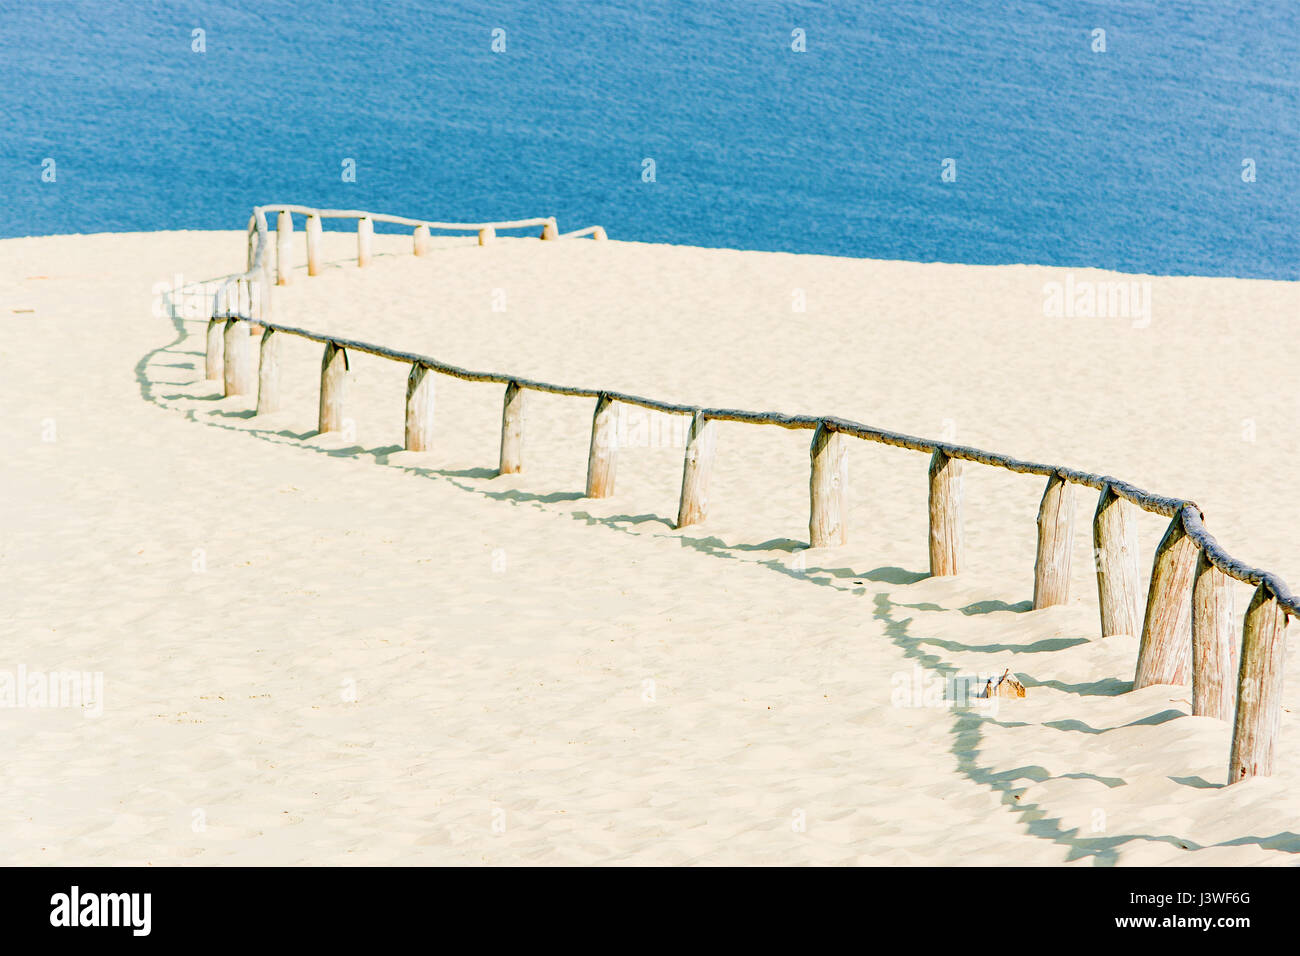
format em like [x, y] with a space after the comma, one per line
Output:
[252, 298]
[238, 371]
[550, 229]
[266, 279]
[701, 442]
[313, 244]
[214, 355]
[1115, 553]
[421, 240]
[283, 248]
[214, 364]
[604, 448]
[333, 388]
[1055, 543]
[256, 299]
[1214, 645]
[486, 235]
[268, 373]
[365, 241]
[512, 431]
[599, 233]
[1259, 689]
[945, 515]
[828, 482]
[419, 408]
[1165, 653]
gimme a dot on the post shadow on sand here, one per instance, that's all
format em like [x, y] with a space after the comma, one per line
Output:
[967, 727]
[1038, 647]
[1078, 726]
[621, 521]
[991, 607]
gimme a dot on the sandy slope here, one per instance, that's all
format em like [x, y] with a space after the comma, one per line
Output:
[325, 649]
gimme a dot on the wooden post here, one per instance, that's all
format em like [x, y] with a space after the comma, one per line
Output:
[421, 240]
[701, 442]
[604, 448]
[256, 299]
[1214, 645]
[333, 387]
[214, 361]
[512, 431]
[313, 244]
[419, 408]
[599, 233]
[251, 304]
[827, 489]
[365, 241]
[268, 373]
[238, 371]
[266, 281]
[1115, 553]
[1259, 689]
[283, 248]
[550, 229]
[486, 235]
[1165, 654]
[1055, 541]
[945, 515]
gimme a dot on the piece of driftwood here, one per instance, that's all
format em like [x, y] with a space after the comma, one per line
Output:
[828, 482]
[333, 388]
[701, 442]
[1115, 547]
[1055, 543]
[365, 242]
[945, 515]
[419, 408]
[268, 372]
[1005, 686]
[604, 448]
[283, 248]
[1165, 654]
[1259, 689]
[512, 431]
[238, 370]
[421, 240]
[1214, 643]
[313, 230]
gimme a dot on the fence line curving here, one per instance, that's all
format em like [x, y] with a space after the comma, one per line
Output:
[1188, 592]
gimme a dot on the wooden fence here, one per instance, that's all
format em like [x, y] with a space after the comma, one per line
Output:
[1189, 591]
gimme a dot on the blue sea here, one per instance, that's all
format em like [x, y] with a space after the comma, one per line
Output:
[794, 126]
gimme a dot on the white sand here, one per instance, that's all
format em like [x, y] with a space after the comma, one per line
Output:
[545, 679]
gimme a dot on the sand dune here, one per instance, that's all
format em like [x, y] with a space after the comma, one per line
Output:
[324, 649]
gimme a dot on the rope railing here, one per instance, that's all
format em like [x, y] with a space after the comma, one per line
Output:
[1188, 590]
